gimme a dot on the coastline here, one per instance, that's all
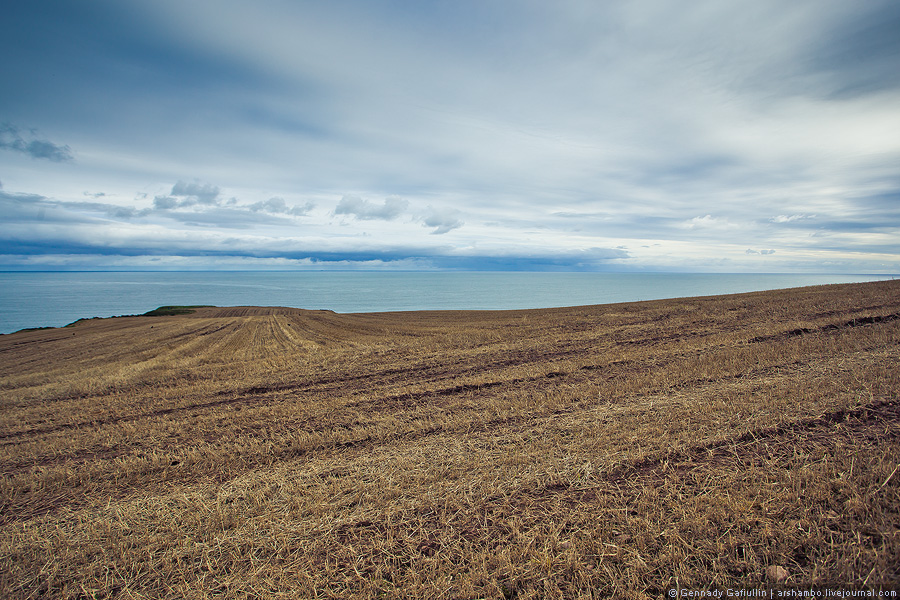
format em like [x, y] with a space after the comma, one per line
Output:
[30, 300]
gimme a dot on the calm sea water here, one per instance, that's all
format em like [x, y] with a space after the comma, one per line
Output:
[55, 299]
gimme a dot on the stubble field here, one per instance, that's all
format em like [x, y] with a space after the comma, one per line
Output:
[618, 450]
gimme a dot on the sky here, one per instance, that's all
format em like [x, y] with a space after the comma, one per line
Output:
[640, 135]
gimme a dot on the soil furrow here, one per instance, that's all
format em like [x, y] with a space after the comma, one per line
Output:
[856, 322]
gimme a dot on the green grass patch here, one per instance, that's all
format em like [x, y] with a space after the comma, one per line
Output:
[81, 320]
[33, 329]
[168, 311]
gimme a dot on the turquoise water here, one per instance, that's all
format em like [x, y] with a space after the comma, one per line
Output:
[56, 298]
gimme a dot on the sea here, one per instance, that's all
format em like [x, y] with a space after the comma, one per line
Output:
[54, 299]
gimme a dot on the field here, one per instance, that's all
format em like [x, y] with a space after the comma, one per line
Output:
[743, 441]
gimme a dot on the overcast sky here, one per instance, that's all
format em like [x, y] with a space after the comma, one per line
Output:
[640, 135]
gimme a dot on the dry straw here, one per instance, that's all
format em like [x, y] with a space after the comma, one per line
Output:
[587, 452]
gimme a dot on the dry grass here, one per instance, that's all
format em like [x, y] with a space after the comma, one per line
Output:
[587, 452]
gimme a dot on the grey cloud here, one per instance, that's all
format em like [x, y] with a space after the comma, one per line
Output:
[443, 222]
[861, 220]
[304, 209]
[860, 56]
[592, 255]
[273, 205]
[860, 225]
[204, 208]
[219, 218]
[11, 139]
[363, 209]
[124, 212]
[763, 252]
[586, 259]
[113, 211]
[195, 193]
[165, 202]
[13, 206]
[48, 150]
[32, 208]
[188, 194]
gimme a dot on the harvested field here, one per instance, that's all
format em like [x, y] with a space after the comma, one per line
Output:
[621, 450]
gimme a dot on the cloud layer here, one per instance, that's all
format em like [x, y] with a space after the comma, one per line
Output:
[747, 136]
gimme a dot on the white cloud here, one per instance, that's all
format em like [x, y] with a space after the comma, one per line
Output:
[278, 205]
[789, 218]
[443, 221]
[708, 222]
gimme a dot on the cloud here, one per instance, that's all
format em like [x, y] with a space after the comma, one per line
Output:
[861, 55]
[32, 212]
[442, 221]
[587, 259]
[707, 222]
[195, 193]
[278, 205]
[763, 252]
[224, 218]
[789, 218]
[272, 205]
[188, 194]
[392, 208]
[11, 139]
[165, 202]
